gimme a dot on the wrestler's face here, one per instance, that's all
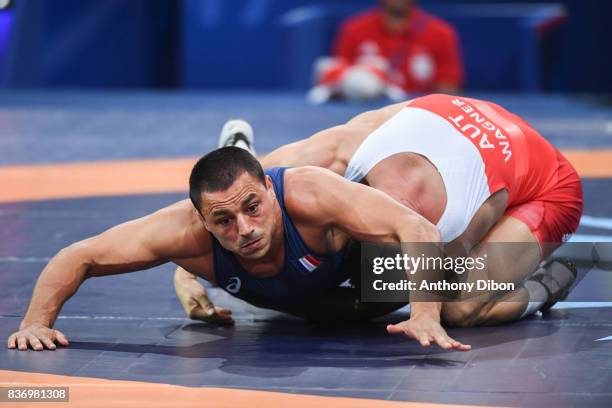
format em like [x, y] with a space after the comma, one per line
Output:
[243, 218]
[397, 7]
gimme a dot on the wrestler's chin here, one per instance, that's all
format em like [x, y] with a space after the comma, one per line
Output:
[255, 250]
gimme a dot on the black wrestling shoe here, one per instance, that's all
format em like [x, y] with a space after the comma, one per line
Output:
[239, 133]
[557, 276]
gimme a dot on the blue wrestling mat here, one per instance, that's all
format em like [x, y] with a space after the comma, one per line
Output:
[132, 327]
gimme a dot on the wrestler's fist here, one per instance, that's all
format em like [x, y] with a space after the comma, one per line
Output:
[38, 337]
[426, 330]
[197, 305]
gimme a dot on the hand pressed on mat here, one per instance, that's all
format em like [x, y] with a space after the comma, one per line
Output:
[424, 326]
[195, 301]
[38, 337]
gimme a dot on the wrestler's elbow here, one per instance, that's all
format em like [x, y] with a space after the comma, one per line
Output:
[427, 232]
[419, 230]
[80, 256]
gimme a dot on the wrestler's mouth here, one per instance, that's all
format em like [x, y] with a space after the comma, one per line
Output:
[252, 245]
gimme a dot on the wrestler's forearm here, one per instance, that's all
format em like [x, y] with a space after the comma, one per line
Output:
[56, 284]
[425, 241]
[183, 276]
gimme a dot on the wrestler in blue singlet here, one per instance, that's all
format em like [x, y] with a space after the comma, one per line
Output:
[304, 276]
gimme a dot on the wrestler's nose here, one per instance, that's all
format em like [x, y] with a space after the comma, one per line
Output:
[244, 226]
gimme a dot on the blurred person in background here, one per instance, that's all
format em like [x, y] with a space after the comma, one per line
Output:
[394, 49]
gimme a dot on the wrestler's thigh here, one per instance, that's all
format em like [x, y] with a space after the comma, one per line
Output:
[511, 249]
[510, 252]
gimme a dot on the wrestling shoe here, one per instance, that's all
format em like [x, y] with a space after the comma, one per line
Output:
[239, 133]
[557, 276]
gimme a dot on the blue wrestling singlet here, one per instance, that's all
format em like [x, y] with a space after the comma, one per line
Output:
[304, 275]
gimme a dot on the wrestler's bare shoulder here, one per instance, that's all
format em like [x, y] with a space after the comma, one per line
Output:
[182, 213]
[311, 194]
[186, 226]
[304, 187]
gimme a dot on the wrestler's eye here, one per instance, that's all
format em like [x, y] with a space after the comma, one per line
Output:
[252, 209]
[223, 221]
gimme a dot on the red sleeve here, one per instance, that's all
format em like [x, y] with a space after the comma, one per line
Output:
[345, 44]
[448, 57]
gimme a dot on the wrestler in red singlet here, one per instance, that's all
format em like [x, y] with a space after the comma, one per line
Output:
[544, 190]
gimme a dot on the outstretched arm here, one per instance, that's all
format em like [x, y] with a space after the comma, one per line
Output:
[132, 246]
[362, 212]
[366, 214]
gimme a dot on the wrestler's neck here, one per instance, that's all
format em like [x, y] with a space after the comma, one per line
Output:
[397, 22]
[271, 263]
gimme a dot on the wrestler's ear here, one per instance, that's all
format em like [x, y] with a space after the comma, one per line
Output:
[200, 215]
[269, 184]
[202, 219]
[270, 187]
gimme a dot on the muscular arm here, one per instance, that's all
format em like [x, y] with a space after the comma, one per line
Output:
[366, 214]
[320, 150]
[135, 245]
[363, 213]
[331, 148]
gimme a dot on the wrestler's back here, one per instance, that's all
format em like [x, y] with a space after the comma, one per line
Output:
[536, 176]
[516, 157]
[415, 182]
[525, 169]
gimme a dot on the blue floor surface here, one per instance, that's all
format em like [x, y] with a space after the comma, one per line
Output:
[132, 327]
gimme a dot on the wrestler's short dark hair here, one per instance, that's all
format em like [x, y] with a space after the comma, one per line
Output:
[217, 171]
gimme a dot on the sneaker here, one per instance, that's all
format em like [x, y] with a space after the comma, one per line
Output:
[239, 133]
[557, 276]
